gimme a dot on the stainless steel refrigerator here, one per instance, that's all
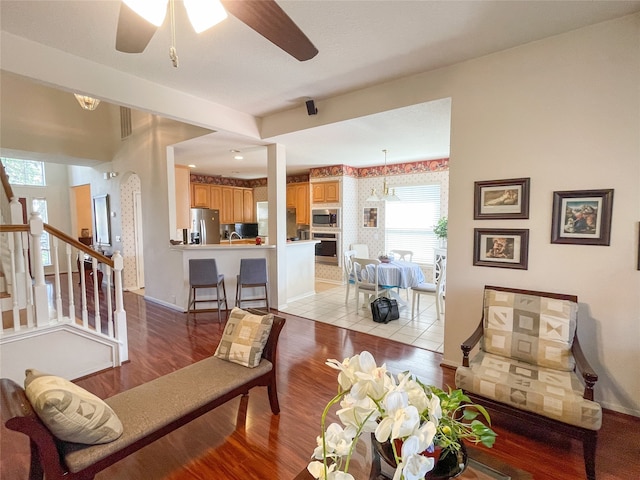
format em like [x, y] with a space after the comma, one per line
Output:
[205, 223]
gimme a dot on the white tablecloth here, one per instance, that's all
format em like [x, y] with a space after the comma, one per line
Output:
[397, 274]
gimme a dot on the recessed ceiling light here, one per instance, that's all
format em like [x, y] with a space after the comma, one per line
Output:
[234, 151]
[191, 165]
[238, 157]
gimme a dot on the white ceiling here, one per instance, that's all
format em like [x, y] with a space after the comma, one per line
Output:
[361, 43]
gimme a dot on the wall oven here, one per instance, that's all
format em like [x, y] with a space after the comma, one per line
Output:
[328, 250]
[328, 217]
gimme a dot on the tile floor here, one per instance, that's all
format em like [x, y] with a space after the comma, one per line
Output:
[328, 305]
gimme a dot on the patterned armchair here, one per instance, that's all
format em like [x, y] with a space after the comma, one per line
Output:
[527, 364]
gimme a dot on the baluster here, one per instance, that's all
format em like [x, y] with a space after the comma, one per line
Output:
[28, 292]
[40, 296]
[109, 305]
[83, 290]
[72, 307]
[56, 279]
[120, 316]
[96, 294]
[14, 283]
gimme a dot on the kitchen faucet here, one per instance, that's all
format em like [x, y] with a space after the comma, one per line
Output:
[231, 236]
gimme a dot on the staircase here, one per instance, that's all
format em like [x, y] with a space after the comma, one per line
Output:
[67, 324]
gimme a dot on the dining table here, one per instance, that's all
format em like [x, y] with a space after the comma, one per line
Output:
[396, 274]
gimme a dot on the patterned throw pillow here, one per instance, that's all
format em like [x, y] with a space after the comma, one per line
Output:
[69, 411]
[244, 338]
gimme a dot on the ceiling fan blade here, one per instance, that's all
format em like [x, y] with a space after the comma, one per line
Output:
[134, 32]
[269, 20]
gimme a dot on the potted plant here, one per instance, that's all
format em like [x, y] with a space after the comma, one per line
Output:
[411, 417]
[441, 231]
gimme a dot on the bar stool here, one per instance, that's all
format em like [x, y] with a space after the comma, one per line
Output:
[203, 273]
[253, 273]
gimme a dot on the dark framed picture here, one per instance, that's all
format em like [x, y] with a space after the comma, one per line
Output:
[501, 199]
[370, 217]
[501, 247]
[582, 217]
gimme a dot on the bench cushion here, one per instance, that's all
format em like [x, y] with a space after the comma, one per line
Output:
[69, 411]
[551, 393]
[535, 329]
[244, 338]
[153, 405]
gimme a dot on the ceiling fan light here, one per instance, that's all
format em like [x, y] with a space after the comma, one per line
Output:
[204, 14]
[153, 11]
[86, 102]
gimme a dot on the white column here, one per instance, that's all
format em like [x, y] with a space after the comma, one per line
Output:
[277, 197]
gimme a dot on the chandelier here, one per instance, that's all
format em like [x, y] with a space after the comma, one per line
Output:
[87, 103]
[388, 194]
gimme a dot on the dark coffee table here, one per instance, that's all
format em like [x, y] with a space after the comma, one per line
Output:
[481, 466]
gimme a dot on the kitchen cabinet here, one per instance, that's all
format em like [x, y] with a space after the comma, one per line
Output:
[216, 197]
[238, 205]
[200, 195]
[183, 193]
[298, 198]
[302, 204]
[248, 207]
[326, 192]
[226, 212]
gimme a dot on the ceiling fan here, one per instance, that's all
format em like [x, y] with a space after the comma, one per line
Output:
[264, 16]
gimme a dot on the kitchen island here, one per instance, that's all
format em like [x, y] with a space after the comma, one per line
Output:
[299, 271]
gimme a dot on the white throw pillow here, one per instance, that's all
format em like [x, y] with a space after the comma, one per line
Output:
[69, 411]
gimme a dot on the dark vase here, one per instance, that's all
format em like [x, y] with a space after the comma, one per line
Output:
[447, 465]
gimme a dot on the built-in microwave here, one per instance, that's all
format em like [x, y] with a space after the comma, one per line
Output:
[329, 217]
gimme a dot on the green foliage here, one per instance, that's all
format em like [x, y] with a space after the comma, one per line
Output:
[441, 228]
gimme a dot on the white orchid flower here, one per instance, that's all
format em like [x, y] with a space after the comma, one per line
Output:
[338, 475]
[350, 366]
[359, 413]
[435, 409]
[316, 469]
[401, 419]
[337, 440]
[414, 465]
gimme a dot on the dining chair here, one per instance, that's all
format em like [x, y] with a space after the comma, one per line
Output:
[203, 273]
[253, 274]
[362, 250]
[348, 271]
[365, 284]
[435, 289]
[404, 255]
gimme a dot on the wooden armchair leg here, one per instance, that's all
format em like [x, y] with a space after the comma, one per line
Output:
[589, 448]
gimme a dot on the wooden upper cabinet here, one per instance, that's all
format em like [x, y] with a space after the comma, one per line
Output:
[291, 195]
[238, 205]
[182, 196]
[200, 195]
[216, 197]
[302, 203]
[248, 206]
[226, 212]
[326, 192]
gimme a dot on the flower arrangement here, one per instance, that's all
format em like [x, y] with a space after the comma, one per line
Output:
[415, 417]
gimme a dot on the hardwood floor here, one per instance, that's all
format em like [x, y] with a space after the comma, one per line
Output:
[243, 440]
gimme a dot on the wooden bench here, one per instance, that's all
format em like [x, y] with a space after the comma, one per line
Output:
[147, 412]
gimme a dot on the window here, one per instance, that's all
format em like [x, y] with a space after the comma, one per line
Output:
[24, 172]
[40, 205]
[409, 222]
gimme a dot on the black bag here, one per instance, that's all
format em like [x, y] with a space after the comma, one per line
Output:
[384, 310]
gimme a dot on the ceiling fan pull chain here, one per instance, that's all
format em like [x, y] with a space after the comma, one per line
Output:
[173, 55]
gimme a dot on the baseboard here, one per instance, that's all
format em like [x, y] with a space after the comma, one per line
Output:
[165, 304]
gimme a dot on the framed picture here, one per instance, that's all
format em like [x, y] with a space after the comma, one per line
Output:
[503, 248]
[370, 218]
[582, 217]
[101, 218]
[501, 199]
